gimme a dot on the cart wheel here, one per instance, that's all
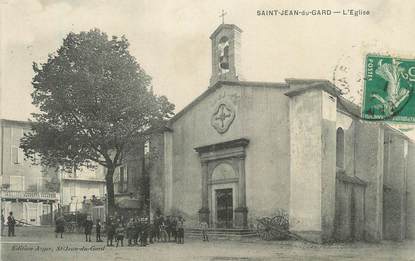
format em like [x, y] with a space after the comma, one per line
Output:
[272, 228]
[264, 228]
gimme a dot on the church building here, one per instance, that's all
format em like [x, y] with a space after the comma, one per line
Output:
[243, 150]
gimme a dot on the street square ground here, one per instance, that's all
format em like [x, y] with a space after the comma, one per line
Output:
[40, 244]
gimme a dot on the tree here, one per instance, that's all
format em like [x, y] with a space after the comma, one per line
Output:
[96, 105]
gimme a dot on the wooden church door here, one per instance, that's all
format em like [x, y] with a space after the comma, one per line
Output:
[224, 208]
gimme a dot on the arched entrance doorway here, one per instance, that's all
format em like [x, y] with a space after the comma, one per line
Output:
[223, 188]
[223, 184]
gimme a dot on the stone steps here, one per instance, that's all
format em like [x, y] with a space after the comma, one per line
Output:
[221, 233]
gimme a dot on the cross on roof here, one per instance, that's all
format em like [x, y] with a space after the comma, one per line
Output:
[223, 16]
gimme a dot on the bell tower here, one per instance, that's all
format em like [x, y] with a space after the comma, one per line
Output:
[226, 53]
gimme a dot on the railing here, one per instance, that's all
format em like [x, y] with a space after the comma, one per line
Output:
[29, 195]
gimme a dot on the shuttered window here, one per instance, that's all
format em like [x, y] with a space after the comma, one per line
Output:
[123, 183]
[17, 155]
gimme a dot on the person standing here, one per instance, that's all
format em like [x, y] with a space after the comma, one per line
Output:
[157, 220]
[144, 232]
[140, 230]
[180, 231]
[60, 226]
[151, 236]
[120, 234]
[136, 231]
[98, 230]
[110, 231]
[130, 231]
[163, 232]
[11, 223]
[204, 226]
[88, 228]
[2, 222]
[174, 228]
[169, 227]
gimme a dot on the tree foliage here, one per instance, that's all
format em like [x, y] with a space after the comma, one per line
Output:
[95, 104]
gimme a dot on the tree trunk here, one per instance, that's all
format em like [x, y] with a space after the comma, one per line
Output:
[109, 180]
[144, 189]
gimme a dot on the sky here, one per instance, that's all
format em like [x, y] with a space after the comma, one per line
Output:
[170, 39]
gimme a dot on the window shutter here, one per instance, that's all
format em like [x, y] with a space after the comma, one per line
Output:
[20, 155]
[15, 155]
[125, 179]
[121, 184]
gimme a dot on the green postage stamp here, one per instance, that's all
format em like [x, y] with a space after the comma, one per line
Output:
[389, 89]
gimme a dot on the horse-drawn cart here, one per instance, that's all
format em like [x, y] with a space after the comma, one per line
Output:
[74, 221]
[273, 228]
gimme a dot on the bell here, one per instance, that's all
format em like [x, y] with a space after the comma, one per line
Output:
[224, 65]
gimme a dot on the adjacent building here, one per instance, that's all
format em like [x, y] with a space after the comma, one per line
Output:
[130, 179]
[81, 188]
[29, 191]
[34, 193]
[84, 183]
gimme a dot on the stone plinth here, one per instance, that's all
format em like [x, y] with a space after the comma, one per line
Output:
[241, 217]
[204, 215]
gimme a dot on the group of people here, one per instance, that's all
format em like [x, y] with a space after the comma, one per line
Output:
[136, 231]
[141, 231]
[166, 228]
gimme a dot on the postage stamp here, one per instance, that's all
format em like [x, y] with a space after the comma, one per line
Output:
[389, 89]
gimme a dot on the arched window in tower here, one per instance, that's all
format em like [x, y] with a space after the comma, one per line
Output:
[340, 148]
[146, 147]
[223, 47]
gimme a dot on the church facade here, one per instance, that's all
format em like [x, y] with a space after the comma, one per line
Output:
[244, 150]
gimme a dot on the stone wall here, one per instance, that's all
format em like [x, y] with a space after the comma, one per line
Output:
[350, 192]
[347, 124]
[359, 212]
[410, 188]
[157, 175]
[293, 170]
[313, 164]
[394, 196]
[350, 216]
[261, 117]
[369, 167]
